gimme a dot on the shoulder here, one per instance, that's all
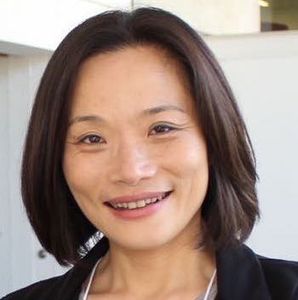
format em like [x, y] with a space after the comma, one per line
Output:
[281, 276]
[44, 289]
[66, 286]
[245, 275]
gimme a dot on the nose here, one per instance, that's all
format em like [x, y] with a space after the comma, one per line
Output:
[132, 163]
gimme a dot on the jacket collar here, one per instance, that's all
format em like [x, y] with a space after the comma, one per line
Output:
[71, 282]
[240, 275]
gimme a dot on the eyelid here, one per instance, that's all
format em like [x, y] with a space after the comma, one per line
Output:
[171, 126]
[81, 138]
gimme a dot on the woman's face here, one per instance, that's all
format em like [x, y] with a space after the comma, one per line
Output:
[134, 134]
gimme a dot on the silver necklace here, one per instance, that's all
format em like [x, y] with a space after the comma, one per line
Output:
[209, 287]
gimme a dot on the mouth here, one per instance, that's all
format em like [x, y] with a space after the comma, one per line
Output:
[139, 204]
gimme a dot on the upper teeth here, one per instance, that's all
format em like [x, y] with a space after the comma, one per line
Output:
[139, 203]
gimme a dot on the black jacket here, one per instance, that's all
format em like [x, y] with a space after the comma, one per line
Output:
[241, 275]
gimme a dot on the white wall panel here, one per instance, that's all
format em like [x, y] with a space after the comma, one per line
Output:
[5, 208]
[271, 111]
[20, 264]
[263, 72]
[18, 83]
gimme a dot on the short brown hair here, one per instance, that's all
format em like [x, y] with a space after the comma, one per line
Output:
[230, 208]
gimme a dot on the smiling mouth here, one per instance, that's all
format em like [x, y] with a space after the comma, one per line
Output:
[135, 205]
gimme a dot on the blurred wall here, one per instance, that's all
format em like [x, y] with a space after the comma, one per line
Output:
[55, 18]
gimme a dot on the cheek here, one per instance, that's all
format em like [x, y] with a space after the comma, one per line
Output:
[82, 175]
[191, 168]
[198, 168]
[190, 158]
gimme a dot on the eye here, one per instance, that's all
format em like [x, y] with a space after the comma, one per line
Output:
[91, 139]
[162, 128]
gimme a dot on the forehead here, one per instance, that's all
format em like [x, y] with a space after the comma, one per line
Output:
[133, 77]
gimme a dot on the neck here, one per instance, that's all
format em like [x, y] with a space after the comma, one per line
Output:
[173, 268]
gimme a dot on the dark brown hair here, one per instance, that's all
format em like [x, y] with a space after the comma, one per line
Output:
[230, 208]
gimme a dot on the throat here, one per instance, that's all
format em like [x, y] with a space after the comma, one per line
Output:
[153, 278]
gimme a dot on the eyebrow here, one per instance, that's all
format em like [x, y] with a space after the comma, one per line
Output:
[146, 112]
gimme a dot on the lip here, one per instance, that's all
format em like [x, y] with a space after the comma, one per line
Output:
[135, 214]
[136, 197]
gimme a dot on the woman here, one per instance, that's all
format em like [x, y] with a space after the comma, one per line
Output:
[135, 134]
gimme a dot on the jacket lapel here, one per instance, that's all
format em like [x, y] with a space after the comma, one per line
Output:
[72, 281]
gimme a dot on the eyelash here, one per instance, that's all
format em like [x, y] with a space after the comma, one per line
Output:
[88, 137]
[167, 128]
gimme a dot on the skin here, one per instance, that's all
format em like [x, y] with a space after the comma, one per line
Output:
[128, 153]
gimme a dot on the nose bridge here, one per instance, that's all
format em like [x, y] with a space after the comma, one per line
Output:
[131, 152]
[132, 160]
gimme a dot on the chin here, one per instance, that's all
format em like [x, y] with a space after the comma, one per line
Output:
[144, 240]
